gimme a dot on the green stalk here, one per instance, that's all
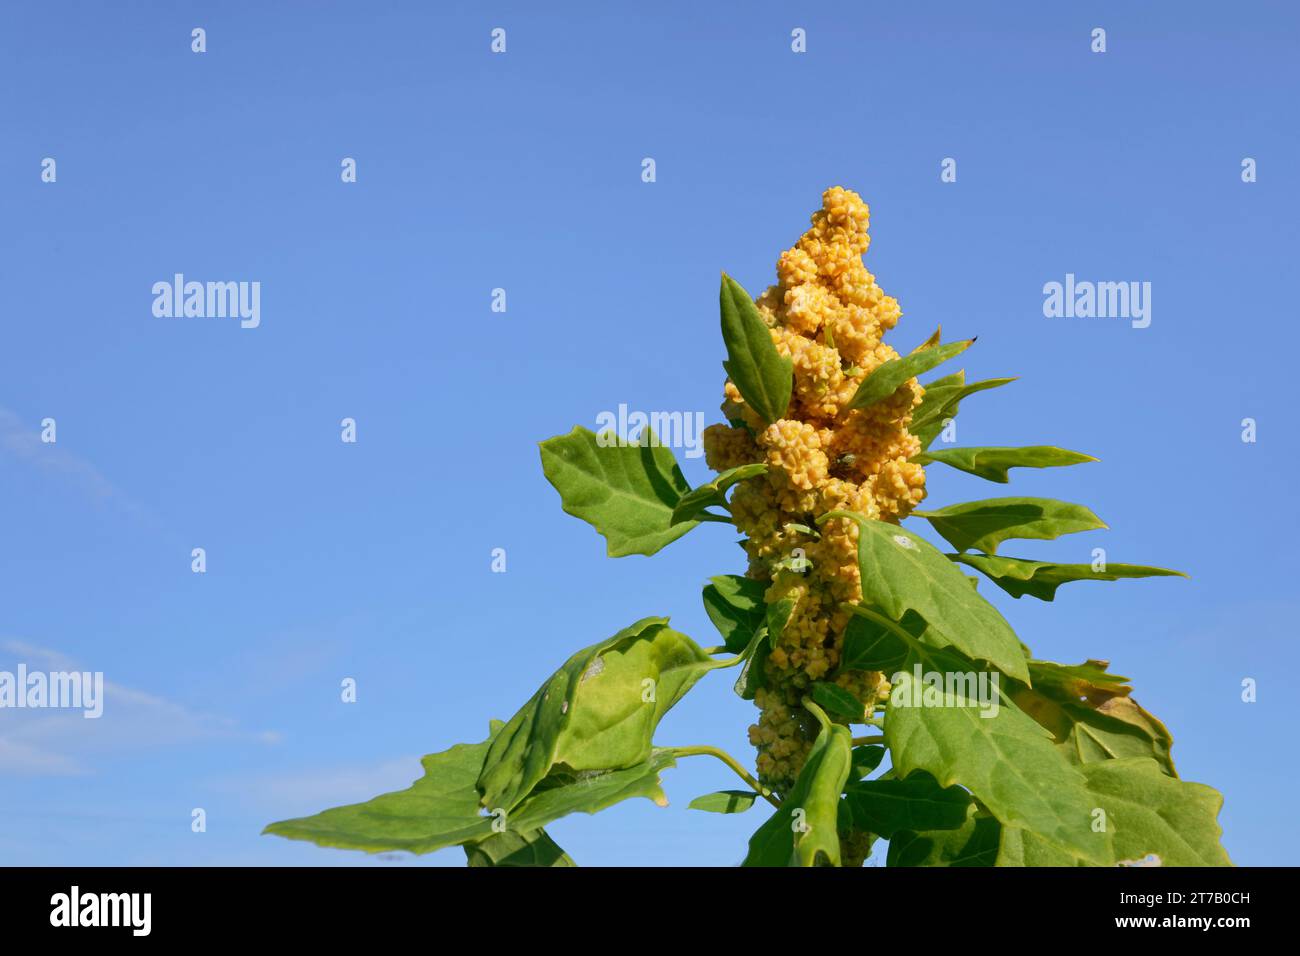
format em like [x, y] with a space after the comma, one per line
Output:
[730, 761]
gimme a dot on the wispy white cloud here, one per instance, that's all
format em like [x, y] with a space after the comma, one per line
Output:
[26, 760]
[21, 440]
[39, 742]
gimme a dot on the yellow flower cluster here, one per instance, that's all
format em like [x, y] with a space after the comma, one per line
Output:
[828, 315]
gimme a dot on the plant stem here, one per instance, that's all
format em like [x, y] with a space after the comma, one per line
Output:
[712, 516]
[731, 762]
[860, 741]
[744, 655]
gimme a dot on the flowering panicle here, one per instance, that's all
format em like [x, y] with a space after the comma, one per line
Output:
[828, 315]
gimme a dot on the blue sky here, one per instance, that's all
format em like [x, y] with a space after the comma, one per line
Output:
[522, 171]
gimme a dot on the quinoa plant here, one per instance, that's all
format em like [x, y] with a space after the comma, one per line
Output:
[843, 619]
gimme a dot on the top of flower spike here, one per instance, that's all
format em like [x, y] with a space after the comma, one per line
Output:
[826, 311]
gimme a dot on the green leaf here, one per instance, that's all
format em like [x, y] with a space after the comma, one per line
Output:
[753, 672]
[865, 760]
[712, 493]
[915, 803]
[836, 700]
[627, 492]
[1040, 579]
[1154, 813]
[901, 571]
[935, 338]
[940, 402]
[1018, 847]
[818, 843]
[738, 610]
[983, 525]
[1155, 819]
[565, 791]
[440, 809]
[1091, 679]
[816, 794]
[870, 646]
[955, 380]
[975, 843]
[513, 848]
[1091, 715]
[763, 377]
[593, 713]
[778, 616]
[735, 606]
[724, 801]
[888, 378]
[1005, 759]
[936, 394]
[993, 463]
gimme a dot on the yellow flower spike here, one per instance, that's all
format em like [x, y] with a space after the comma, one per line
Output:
[828, 315]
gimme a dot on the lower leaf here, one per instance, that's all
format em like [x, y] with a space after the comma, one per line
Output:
[936, 722]
[438, 810]
[597, 712]
[517, 848]
[1091, 714]
[974, 843]
[724, 801]
[441, 808]
[1153, 813]
[917, 803]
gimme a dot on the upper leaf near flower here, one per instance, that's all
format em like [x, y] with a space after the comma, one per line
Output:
[941, 401]
[626, 491]
[902, 572]
[735, 606]
[892, 375]
[763, 376]
[983, 525]
[1040, 579]
[712, 493]
[993, 463]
